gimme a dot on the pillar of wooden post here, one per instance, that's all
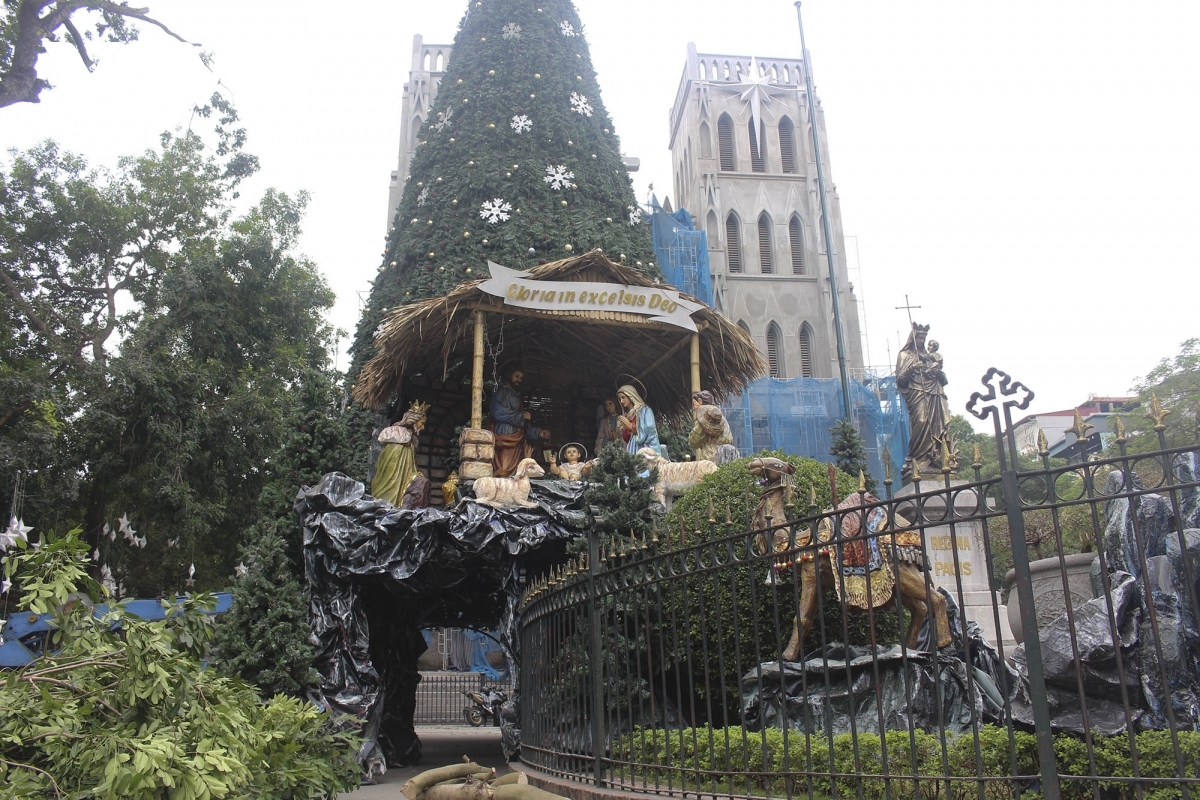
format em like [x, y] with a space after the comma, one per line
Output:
[695, 362]
[477, 375]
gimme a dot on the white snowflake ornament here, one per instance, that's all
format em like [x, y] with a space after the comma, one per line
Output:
[423, 197]
[521, 123]
[443, 119]
[559, 177]
[580, 104]
[567, 29]
[511, 31]
[495, 210]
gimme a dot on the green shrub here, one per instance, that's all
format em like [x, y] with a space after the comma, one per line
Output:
[123, 707]
[733, 760]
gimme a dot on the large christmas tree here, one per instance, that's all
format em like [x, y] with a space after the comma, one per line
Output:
[518, 162]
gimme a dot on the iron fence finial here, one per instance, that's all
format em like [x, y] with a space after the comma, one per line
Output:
[1043, 444]
[1080, 428]
[1157, 413]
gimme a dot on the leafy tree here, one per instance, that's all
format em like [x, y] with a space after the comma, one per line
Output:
[1176, 383]
[850, 452]
[519, 105]
[195, 405]
[264, 637]
[123, 708]
[26, 26]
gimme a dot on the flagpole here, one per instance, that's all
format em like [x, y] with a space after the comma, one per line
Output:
[833, 285]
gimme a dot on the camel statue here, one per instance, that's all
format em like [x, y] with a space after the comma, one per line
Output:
[871, 566]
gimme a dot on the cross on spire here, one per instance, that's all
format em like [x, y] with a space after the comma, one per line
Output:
[908, 306]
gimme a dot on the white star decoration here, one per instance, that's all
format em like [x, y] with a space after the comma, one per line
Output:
[495, 210]
[559, 177]
[567, 29]
[756, 89]
[5, 585]
[240, 570]
[521, 123]
[511, 31]
[124, 520]
[580, 104]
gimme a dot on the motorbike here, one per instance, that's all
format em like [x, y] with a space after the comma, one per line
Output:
[485, 705]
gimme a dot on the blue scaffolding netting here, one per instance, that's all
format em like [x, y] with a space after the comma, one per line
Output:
[682, 252]
[796, 415]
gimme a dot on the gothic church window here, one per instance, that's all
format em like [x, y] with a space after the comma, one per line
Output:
[774, 356]
[733, 242]
[766, 261]
[705, 141]
[725, 143]
[806, 360]
[787, 145]
[711, 229]
[796, 240]
[758, 155]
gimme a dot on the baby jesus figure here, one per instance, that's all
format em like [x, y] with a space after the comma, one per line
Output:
[573, 467]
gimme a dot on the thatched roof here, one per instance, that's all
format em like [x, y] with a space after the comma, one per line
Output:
[434, 338]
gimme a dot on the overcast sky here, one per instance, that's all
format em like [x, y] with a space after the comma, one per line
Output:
[1026, 171]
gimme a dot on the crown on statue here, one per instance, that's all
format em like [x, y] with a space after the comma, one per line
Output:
[418, 407]
[921, 328]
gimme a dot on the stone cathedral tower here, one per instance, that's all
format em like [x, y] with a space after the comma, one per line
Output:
[743, 166]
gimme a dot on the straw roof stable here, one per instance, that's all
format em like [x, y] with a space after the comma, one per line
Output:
[435, 338]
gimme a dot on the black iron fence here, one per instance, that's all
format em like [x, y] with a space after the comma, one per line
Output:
[864, 651]
[440, 698]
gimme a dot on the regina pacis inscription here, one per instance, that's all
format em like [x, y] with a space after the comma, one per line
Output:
[659, 303]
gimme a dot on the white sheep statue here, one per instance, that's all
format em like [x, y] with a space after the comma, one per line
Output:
[509, 492]
[675, 477]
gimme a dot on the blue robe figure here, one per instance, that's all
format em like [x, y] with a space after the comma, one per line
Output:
[515, 436]
[638, 429]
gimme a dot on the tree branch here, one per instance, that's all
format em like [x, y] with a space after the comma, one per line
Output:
[19, 82]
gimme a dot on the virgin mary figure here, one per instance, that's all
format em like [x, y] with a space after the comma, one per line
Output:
[921, 381]
[637, 422]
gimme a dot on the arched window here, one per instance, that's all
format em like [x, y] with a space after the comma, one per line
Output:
[787, 145]
[742, 324]
[733, 242]
[774, 354]
[710, 227]
[796, 240]
[440, 66]
[705, 141]
[806, 359]
[725, 143]
[427, 61]
[758, 156]
[766, 261]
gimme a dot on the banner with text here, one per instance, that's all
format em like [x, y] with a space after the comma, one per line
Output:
[660, 303]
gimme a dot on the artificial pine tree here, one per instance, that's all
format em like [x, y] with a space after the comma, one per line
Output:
[620, 489]
[517, 162]
[849, 451]
[264, 637]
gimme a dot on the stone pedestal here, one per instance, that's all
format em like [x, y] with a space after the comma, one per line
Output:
[942, 545]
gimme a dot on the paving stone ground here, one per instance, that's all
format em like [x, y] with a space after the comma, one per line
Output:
[440, 745]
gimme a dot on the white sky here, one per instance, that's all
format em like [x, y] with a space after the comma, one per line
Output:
[1026, 171]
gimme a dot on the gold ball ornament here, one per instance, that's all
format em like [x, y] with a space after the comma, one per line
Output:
[593, 156]
[467, 270]
[454, 202]
[508, 174]
[460, 80]
[441, 269]
[451, 140]
[537, 76]
[466, 99]
[466, 234]
[568, 248]
[491, 72]
[483, 241]
[491, 126]
[638, 263]
[414, 221]
[428, 222]
[393, 263]
[608, 220]
[438, 180]
[430, 254]
[562, 202]
[470, 163]
[483, 38]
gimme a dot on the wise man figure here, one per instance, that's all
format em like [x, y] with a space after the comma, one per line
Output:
[515, 434]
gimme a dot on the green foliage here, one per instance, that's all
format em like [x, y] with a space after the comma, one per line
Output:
[736, 621]
[756, 762]
[850, 452]
[1176, 383]
[469, 154]
[624, 497]
[264, 637]
[125, 709]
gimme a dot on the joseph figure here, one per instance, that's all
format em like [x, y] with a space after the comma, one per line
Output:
[515, 435]
[921, 380]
